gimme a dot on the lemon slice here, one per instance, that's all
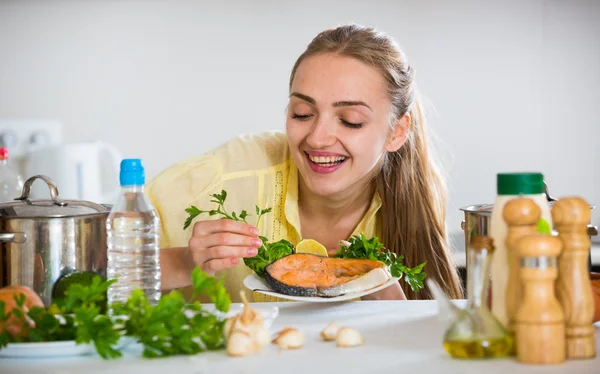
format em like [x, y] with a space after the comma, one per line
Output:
[311, 246]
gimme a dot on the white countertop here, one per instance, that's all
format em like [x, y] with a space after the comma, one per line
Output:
[401, 337]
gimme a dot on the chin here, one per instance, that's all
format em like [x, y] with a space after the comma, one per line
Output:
[324, 189]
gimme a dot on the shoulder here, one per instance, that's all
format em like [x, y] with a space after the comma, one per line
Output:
[241, 156]
[252, 152]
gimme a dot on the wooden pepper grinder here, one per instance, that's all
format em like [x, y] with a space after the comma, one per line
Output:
[521, 216]
[540, 322]
[574, 290]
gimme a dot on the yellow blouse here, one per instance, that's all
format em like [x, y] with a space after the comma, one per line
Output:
[254, 170]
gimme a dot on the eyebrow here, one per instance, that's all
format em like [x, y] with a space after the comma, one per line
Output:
[336, 104]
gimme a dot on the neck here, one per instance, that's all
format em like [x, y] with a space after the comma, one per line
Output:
[353, 202]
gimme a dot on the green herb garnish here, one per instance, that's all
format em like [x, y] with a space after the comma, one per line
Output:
[219, 199]
[267, 253]
[172, 327]
[80, 312]
[373, 249]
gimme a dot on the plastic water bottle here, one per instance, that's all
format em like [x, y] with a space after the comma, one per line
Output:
[11, 183]
[132, 230]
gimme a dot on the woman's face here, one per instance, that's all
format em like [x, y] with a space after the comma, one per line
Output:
[338, 123]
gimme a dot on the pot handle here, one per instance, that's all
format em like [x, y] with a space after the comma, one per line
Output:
[13, 237]
[51, 185]
[592, 230]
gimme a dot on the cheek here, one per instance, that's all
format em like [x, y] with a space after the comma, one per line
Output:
[368, 149]
[294, 133]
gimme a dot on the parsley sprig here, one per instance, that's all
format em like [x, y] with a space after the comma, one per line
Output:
[373, 249]
[219, 199]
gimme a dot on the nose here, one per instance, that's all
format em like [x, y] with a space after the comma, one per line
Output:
[322, 134]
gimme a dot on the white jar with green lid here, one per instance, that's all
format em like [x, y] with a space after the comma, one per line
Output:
[510, 186]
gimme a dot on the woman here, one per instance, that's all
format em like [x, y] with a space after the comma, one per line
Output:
[354, 159]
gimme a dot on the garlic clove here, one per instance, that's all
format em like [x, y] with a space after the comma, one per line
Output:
[262, 337]
[239, 344]
[289, 338]
[330, 332]
[348, 337]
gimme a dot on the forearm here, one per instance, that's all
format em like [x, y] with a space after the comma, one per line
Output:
[176, 267]
[393, 292]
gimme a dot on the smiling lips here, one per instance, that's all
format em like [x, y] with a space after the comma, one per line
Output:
[324, 164]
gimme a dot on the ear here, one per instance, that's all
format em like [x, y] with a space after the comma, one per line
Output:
[398, 135]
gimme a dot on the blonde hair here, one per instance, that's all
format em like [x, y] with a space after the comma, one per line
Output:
[411, 186]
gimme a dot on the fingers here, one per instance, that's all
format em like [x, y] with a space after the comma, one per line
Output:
[220, 244]
[203, 228]
[230, 239]
[212, 266]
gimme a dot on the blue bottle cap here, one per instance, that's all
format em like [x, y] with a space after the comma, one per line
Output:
[132, 172]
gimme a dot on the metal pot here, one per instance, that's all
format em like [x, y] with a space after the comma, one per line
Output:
[478, 221]
[42, 240]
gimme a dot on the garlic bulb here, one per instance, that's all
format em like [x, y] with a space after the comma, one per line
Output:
[245, 333]
[348, 337]
[330, 332]
[289, 338]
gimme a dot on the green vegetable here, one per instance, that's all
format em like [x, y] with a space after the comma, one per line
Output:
[373, 249]
[171, 327]
[267, 253]
[84, 278]
[219, 199]
[83, 320]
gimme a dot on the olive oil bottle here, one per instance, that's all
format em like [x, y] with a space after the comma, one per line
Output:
[475, 333]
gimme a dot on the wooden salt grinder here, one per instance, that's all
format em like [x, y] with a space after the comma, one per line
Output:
[521, 216]
[540, 322]
[571, 216]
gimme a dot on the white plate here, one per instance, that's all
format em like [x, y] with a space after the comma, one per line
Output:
[54, 349]
[255, 283]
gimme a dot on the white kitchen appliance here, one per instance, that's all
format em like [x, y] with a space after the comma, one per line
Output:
[84, 171]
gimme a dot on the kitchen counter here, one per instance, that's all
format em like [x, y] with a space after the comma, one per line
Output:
[401, 336]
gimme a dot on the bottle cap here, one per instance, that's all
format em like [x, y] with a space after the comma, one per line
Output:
[132, 172]
[520, 183]
[3, 153]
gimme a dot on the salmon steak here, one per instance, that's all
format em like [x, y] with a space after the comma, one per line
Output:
[303, 274]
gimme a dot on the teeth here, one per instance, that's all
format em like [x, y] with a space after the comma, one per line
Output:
[326, 160]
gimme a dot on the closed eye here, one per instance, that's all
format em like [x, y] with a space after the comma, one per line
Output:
[351, 125]
[302, 117]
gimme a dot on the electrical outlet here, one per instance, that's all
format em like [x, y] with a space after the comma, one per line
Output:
[21, 136]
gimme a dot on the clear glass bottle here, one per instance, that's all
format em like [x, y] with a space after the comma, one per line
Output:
[475, 331]
[11, 183]
[132, 237]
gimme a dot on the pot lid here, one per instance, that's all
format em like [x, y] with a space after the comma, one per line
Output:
[479, 208]
[24, 207]
[50, 209]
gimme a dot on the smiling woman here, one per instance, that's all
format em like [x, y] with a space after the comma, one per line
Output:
[354, 159]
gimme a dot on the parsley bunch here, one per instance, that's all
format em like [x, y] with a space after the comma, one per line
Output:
[373, 249]
[172, 327]
[76, 317]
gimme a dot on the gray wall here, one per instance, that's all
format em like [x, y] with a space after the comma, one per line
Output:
[515, 84]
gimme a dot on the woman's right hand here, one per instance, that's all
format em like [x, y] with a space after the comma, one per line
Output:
[220, 244]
